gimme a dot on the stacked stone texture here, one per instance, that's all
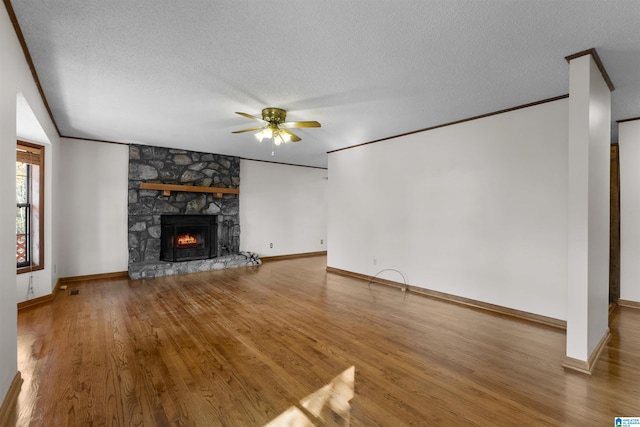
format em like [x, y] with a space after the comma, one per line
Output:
[179, 167]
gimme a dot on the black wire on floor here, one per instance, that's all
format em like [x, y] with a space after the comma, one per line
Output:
[403, 288]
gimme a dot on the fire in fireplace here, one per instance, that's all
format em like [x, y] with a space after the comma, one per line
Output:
[188, 237]
[188, 240]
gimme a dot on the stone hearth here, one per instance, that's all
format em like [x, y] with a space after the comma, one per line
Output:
[150, 270]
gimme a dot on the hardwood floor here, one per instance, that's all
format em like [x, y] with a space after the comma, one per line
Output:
[288, 344]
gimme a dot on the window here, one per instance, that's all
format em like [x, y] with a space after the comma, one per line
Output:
[29, 207]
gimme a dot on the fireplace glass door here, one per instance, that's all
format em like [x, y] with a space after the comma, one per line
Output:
[188, 237]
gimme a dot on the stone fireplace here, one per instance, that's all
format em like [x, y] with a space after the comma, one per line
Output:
[154, 213]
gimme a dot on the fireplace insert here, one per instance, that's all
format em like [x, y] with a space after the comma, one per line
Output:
[188, 237]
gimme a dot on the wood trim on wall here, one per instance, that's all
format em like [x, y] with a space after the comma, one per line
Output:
[40, 300]
[293, 256]
[628, 303]
[598, 62]
[366, 278]
[9, 408]
[531, 317]
[519, 107]
[65, 280]
[284, 164]
[628, 120]
[101, 276]
[586, 367]
[95, 140]
[36, 301]
[576, 365]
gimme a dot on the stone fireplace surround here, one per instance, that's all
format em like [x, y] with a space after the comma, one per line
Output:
[145, 207]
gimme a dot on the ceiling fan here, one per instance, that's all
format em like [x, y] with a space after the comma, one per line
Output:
[274, 126]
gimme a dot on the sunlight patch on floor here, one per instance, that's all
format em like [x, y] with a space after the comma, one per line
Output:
[329, 403]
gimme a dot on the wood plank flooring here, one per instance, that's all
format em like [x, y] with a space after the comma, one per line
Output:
[288, 344]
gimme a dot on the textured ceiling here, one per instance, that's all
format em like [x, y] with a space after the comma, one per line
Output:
[172, 73]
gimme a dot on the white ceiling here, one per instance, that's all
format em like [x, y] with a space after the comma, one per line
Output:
[172, 73]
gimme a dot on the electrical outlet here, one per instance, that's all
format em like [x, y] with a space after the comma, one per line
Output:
[271, 245]
[322, 241]
[375, 261]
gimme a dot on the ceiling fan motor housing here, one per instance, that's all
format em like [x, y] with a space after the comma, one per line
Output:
[274, 115]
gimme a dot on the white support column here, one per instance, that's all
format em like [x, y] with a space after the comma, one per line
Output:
[588, 211]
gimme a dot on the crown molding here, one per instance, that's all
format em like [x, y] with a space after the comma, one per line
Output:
[598, 62]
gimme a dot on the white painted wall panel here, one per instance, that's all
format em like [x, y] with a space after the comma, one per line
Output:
[93, 196]
[476, 209]
[284, 205]
[629, 140]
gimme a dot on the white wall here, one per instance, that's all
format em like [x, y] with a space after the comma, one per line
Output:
[629, 141]
[476, 209]
[93, 196]
[284, 205]
[15, 78]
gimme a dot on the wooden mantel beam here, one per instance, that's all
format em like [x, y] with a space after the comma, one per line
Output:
[168, 188]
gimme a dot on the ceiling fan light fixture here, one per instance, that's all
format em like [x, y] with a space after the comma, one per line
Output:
[278, 138]
[264, 133]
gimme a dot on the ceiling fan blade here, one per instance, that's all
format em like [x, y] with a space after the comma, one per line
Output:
[249, 116]
[247, 130]
[294, 137]
[309, 124]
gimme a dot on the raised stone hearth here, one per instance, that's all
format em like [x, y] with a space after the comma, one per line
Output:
[161, 165]
[150, 270]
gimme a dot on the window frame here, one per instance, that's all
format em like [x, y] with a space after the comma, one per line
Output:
[36, 157]
[27, 216]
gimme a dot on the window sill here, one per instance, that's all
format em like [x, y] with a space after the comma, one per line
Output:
[23, 270]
